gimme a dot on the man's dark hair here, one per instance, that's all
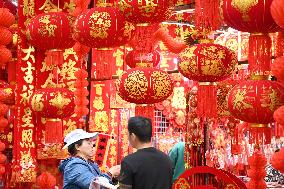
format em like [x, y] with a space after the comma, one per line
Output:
[141, 127]
[72, 149]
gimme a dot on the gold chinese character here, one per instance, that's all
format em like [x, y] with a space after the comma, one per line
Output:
[48, 6]
[29, 8]
[28, 53]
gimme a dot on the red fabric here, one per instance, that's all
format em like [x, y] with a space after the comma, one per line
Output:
[277, 12]
[46, 181]
[255, 17]
[259, 56]
[53, 131]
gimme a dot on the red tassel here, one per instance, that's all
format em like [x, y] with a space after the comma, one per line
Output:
[260, 134]
[259, 56]
[147, 110]
[54, 57]
[207, 100]
[53, 131]
[103, 62]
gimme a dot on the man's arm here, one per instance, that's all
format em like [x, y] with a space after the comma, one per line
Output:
[126, 176]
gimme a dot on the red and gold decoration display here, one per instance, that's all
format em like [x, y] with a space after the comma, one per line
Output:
[135, 59]
[46, 180]
[254, 101]
[53, 104]
[101, 27]
[145, 85]
[277, 160]
[144, 11]
[205, 63]
[249, 16]
[277, 12]
[52, 30]
[257, 163]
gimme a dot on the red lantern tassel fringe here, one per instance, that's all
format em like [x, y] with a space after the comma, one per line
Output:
[103, 61]
[207, 100]
[207, 14]
[53, 131]
[148, 111]
[54, 57]
[259, 134]
[259, 56]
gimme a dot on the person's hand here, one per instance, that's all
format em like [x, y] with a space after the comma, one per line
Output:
[115, 171]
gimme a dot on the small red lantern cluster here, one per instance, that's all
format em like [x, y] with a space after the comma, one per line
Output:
[6, 21]
[145, 85]
[3, 112]
[51, 30]
[255, 101]
[101, 27]
[46, 181]
[257, 163]
[3, 159]
[207, 62]
[249, 16]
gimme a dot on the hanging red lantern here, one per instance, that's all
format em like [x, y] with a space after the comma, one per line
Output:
[145, 85]
[3, 123]
[5, 55]
[2, 146]
[101, 27]
[46, 181]
[6, 17]
[277, 160]
[277, 68]
[255, 101]
[279, 115]
[3, 109]
[249, 16]
[7, 95]
[2, 170]
[277, 12]
[138, 59]
[52, 30]
[3, 158]
[207, 62]
[144, 11]
[53, 104]
[5, 36]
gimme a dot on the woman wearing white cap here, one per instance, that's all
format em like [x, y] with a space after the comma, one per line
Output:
[79, 170]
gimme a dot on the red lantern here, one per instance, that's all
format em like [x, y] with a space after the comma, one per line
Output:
[5, 55]
[249, 16]
[3, 109]
[53, 102]
[46, 181]
[277, 12]
[51, 30]
[138, 59]
[2, 169]
[101, 27]
[7, 95]
[277, 160]
[3, 158]
[145, 85]
[6, 18]
[3, 123]
[279, 115]
[144, 11]
[5, 36]
[207, 62]
[255, 101]
[2, 146]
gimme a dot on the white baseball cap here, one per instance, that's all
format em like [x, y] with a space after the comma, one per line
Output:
[76, 135]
